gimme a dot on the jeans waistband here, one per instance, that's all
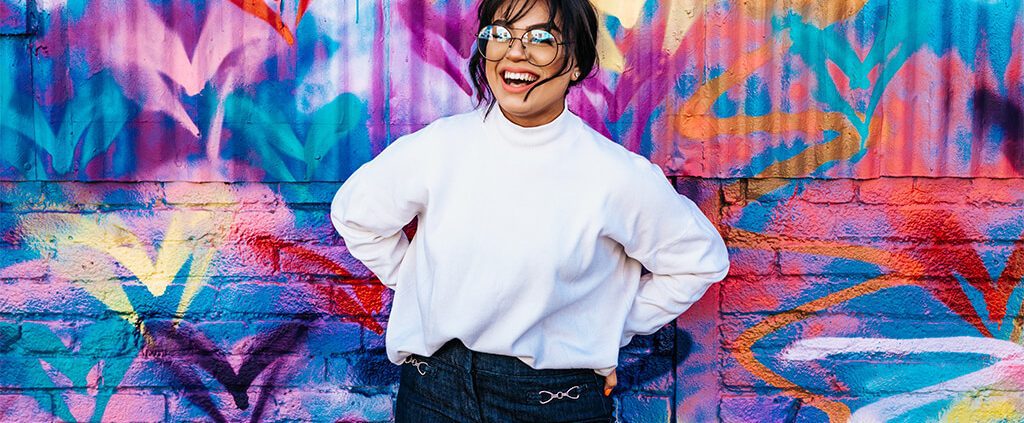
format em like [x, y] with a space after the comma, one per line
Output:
[455, 353]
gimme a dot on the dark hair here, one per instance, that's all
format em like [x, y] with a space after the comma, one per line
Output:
[578, 28]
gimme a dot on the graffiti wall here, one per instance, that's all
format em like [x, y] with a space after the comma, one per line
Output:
[166, 168]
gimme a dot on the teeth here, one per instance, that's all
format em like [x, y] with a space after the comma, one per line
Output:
[520, 76]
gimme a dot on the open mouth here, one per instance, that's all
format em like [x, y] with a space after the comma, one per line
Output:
[519, 79]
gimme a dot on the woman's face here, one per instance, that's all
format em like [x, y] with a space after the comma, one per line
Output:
[505, 76]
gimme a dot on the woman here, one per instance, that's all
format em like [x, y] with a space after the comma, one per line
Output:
[523, 279]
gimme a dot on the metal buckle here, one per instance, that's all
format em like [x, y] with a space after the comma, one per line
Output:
[568, 393]
[417, 364]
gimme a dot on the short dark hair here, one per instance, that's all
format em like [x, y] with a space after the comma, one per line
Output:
[578, 28]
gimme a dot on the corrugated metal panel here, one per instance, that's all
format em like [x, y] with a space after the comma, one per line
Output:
[859, 89]
[309, 90]
[13, 17]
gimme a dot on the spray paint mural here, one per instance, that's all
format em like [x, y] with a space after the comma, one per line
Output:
[167, 165]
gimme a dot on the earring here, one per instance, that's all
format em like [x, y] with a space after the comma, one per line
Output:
[576, 75]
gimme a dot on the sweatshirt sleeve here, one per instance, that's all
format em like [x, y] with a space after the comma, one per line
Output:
[671, 237]
[377, 201]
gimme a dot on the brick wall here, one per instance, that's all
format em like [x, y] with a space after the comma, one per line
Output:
[166, 169]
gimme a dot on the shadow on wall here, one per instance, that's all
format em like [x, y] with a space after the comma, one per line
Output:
[995, 113]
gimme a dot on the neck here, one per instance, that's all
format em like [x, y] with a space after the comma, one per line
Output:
[530, 121]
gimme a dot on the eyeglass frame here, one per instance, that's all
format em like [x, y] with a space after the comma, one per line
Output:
[521, 39]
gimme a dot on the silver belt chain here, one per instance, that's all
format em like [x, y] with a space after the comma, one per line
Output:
[418, 364]
[568, 393]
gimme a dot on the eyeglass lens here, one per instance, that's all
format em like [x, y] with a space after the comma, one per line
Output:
[494, 41]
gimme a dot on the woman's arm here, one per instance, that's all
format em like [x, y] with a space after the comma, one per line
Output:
[671, 237]
[377, 201]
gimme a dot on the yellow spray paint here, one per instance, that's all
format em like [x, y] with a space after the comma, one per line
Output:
[681, 16]
[679, 19]
[820, 13]
[93, 252]
[985, 409]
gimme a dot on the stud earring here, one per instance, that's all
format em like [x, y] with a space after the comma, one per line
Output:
[576, 75]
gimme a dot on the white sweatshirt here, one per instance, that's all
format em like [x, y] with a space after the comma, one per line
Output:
[529, 242]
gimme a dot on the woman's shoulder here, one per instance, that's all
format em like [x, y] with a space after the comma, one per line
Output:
[442, 128]
[612, 152]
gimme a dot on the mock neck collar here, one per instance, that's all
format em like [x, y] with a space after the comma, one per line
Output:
[529, 136]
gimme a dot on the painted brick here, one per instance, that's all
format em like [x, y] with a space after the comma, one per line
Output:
[319, 193]
[796, 264]
[251, 196]
[336, 405]
[887, 191]
[269, 299]
[749, 408]
[91, 196]
[211, 370]
[770, 190]
[331, 337]
[984, 404]
[778, 294]
[135, 407]
[998, 191]
[897, 322]
[49, 297]
[244, 336]
[26, 408]
[705, 192]
[735, 191]
[942, 190]
[372, 340]
[20, 195]
[828, 191]
[644, 408]
[81, 262]
[267, 226]
[10, 233]
[240, 260]
[51, 372]
[323, 260]
[748, 261]
[62, 336]
[313, 226]
[361, 369]
[648, 372]
[837, 378]
[144, 303]
[53, 227]
[805, 220]
[968, 259]
[151, 371]
[665, 340]
[808, 414]
[10, 333]
[737, 379]
[183, 407]
[751, 293]
[23, 262]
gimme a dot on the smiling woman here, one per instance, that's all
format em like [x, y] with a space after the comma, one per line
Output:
[523, 279]
[547, 61]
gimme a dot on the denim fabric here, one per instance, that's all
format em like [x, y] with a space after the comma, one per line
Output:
[460, 385]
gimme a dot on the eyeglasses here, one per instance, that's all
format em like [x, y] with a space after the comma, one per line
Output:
[540, 46]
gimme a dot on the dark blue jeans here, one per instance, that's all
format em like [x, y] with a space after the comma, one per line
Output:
[457, 384]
